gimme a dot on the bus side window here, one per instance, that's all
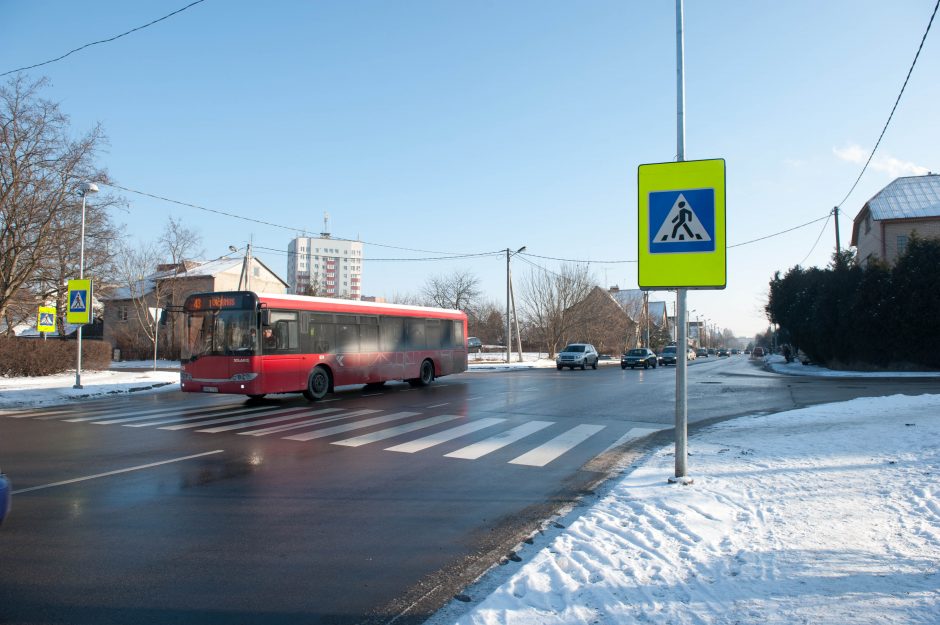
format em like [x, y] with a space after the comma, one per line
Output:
[415, 337]
[347, 334]
[433, 334]
[390, 334]
[458, 334]
[368, 334]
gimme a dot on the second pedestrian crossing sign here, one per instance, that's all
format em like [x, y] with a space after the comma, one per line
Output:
[682, 225]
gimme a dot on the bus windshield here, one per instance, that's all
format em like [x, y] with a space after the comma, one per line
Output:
[221, 333]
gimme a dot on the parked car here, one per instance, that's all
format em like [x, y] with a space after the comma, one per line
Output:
[474, 345]
[577, 355]
[723, 352]
[637, 357]
[5, 495]
[711, 351]
[701, 352]
[758, 352]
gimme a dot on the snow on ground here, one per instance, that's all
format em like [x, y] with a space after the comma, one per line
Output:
[829, 514]
[777, 363]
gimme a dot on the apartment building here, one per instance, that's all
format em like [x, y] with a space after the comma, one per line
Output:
[325, 267]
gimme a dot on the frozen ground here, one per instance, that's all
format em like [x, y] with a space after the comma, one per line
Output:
[829, 514]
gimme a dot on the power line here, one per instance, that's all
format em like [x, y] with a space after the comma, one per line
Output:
[95, 43]
[572, 260]
[825, 225]
[896, 102]
[777, 234]
[367, 259]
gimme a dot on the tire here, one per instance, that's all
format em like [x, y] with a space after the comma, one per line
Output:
[623, 366]
[560, 367]
[583, 366]
[318, 384]
[594, 366]
[425, 374]
[654, 364]
[646, 364]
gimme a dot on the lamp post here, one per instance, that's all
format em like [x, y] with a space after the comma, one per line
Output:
[88, 187]
[510, 254]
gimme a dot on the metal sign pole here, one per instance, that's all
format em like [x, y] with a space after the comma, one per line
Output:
[682, 414]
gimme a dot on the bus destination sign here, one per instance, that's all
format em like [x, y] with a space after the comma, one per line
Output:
[216, 301]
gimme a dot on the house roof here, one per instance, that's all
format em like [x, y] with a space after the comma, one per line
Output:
[201, 269]
[907, 198]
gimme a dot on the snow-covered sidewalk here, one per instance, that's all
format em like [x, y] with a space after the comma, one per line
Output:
[829, 514]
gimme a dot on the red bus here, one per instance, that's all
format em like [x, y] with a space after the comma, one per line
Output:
[253, 344]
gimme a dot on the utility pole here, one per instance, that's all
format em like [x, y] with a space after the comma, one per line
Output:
[508, 296]
[835, 212]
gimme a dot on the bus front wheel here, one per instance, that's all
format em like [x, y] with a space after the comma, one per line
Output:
[318, 384]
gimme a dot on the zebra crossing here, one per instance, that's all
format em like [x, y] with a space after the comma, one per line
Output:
[353, 427]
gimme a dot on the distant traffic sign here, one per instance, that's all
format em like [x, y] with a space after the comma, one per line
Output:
[46, 320]
[79, 311]
[682, 225]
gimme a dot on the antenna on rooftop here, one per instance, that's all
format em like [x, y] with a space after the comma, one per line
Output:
[326, 226]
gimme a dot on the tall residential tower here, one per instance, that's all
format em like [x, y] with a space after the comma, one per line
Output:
[325, 266]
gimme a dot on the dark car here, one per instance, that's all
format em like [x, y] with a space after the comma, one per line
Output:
[4, 497]
[701, 352]
[577, 355]
[474, 345]
[637, 357]
[723, 352]
[668, 355]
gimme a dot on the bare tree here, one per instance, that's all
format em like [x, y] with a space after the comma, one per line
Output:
[547, 301]
[459, 290]
[488, 322]
[180, 242]
[41, 170]
[140, 286]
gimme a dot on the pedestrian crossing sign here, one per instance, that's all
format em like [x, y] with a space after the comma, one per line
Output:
[79, 311]
[682, 225]
[46, 320]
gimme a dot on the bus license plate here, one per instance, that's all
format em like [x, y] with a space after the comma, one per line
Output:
[210, 389]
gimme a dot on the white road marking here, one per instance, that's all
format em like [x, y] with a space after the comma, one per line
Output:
[543, 454]
[358, 425]
[381, 435]
[307, 423]
[197, 417]
[632, 433]
[447, 435]
[438, 405]
[164, 416]
[286, 415]
[478, 450]
[97, 475]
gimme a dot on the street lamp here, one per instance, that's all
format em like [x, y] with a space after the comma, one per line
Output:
[88, 187]
[509, 297]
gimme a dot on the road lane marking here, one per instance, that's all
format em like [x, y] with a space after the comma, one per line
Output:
[478, 450]
[381, 435]
[158, 415]
[244, 412]
[438, 405]
[234, 416]
[543, 454]
[307, 423]
[447, 435]
[339, 429]
[116, 472]
[632, 433]
[286, 415]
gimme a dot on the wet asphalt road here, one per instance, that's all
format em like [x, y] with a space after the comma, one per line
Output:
[180, 508]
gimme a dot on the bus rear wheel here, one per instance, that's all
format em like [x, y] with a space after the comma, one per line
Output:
[426, 374]
[318, 384]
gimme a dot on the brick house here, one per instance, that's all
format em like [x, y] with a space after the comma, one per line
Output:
[127, 320]
[909, 205]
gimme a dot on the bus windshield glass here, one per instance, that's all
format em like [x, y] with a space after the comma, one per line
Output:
[221, 333]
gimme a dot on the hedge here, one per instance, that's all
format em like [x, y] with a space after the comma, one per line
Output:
[33, 357]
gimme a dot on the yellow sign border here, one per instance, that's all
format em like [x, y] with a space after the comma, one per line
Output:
[79, 317]
[687, 270]
[45, 310]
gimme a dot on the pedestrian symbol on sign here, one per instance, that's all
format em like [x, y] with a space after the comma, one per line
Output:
[684, 221]
[77, 304]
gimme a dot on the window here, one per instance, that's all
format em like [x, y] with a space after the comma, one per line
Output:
[414, 334]
[368, 334]
[433, 333]
[391, 337]
[902, 244]
[320, 337]
[283, 332]
[122, 312]
[347, 334]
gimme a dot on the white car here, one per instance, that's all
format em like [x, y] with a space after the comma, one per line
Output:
[577, 355]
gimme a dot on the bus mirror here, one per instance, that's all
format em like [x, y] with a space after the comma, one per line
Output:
[265, 317]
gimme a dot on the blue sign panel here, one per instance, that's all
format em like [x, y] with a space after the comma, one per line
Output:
[682, 222]
[79, 301]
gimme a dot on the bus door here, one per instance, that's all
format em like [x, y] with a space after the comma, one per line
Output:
[282, 363]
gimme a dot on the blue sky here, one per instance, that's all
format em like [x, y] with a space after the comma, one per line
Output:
[466, 127]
